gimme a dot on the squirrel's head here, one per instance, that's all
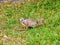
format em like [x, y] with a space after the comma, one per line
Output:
[21, 19]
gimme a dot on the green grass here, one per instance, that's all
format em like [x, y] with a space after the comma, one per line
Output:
[47, 34]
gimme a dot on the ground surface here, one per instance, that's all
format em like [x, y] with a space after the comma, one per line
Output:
[47, 34]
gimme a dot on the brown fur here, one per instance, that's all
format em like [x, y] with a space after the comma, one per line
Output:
[26, 23]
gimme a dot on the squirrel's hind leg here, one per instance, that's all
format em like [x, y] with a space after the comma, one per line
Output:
[26, 26]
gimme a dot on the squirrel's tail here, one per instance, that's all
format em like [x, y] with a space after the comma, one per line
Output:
[40, 21]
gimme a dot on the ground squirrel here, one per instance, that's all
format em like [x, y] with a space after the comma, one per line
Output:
[26, 23]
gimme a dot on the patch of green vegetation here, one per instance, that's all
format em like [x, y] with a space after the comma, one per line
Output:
[47, 34]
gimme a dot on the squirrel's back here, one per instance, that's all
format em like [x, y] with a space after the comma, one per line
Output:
[30, 22]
